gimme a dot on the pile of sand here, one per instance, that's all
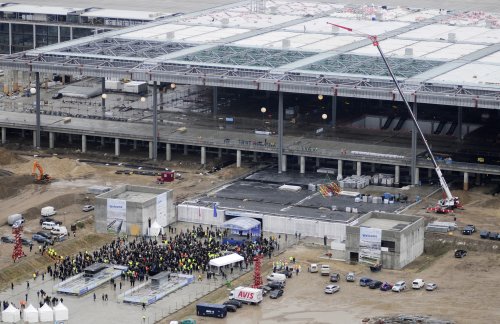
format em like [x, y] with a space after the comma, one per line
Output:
[7, 157]
[56, 168]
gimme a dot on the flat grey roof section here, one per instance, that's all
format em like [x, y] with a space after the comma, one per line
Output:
[290, 177]
[135, 196]
[250, 72]
[385, 224]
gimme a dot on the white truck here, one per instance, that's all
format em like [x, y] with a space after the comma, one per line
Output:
[48, 211]
[246, 295]
[276, 277]
[325, 270]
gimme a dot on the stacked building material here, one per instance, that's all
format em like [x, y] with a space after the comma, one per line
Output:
[382, 179]
[355, 182]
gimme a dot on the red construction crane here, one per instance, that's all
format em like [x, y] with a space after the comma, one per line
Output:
[257, 275]
[448, 203]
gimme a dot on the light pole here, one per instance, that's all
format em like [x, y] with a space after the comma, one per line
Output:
[36, 90]
[143, 99]
[324, 116]
[103, 104]
[320, 97]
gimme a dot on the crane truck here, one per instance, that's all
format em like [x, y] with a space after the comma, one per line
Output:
[40, 177]
[449, 202]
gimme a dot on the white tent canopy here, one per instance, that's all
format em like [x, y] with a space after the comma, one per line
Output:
[61, 312]
[30, 314]
[225, 260]
[155, 229]
[46, 313]
[241, 223]
[11, 315]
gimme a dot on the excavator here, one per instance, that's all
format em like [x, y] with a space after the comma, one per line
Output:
[40, 177]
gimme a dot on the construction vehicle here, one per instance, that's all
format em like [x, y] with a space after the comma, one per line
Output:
[165, 176]
[40, 177]
[449, 202]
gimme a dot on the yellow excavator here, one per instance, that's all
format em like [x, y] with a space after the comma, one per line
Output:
[40, 177]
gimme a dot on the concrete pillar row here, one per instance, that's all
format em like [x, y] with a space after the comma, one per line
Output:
[466, 181]
[150, 150]
[185, 150]
[302, 164]
[203, 155]
[396, 174]
[358, 168]
[51, 140]
[238, 158]
[339, 169]
[283, 163]
[117, 146]
[84, 143]
[168, 153]
[4, 135]
[34, 139]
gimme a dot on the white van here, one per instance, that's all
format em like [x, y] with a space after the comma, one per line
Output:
[48, 211]
[313, 267]
[48, 225]
[276, 277]
[417, 283]
[59, 230]
[325, 270]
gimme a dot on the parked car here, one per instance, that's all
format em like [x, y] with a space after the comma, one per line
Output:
[375, 284]
[399, 286]
[57, 95]
[468, 230]
[49, 219]
[266, 289]
[484, 234]
[230, 308]
[287, 273]
[350, 277]
[42, 239]
[7, 239]
[18, 223]
[334, 277]
[386, 286]
[493, 236]
[313, 268]
[417, 283]
[460, 253]
[87, 208]
[331, 289]
[233, 302]
[275, 285]
[363, 282]
[325, 270]
[48, 236]
[276, 293]
[26, 242]
[473, 227]
[431, 286]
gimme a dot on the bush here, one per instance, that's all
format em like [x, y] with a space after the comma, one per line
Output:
[80, 225]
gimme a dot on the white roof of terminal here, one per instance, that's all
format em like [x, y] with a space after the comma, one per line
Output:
[125, 14]
[34, 9]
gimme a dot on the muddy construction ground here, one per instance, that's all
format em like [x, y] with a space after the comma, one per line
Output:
[467, 288]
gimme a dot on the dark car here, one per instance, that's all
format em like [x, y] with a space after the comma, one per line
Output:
[375, 284]
[484, 234]
[493, 236]
[287, 273]
[41, 239]
[48, 236]
[460, 253]
[386, 286]
[363, 282]
[275, 285]
[57, 95]
[48, 219]
[473, 227]
[334, 277]
[7, 239]
[233, 302]
[276, 293]
[26, 242]
[230, 308]
[468, 230]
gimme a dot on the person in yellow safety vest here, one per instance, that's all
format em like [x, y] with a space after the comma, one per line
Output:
[291, 259]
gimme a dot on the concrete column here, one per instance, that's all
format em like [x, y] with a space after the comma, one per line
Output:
[185, 150]
[219, 153]
[70, 139]
[429, 173]
[302, 164]
[414, 135]
[37, 105]
[214, 103]
[280, 134]
[283, 163]
[134, 144]
[102, 141]
[151, 155]
[334, 109]
[466, 181]
[238, 158]
[117, 146]
[417, 176]
[168, 152]
[84, 143]
[51, 140]
[354, 165]
[23, 135]
[34, 139]
[478, 179]
[203, 155]
[254, 157]
[396, 174]
[155, 122]
[339, 169]
[317, 162]
[372, 167]
[15, 80]
[7, 80]
[4, 135]
[459, 123]
[358, 168]
[103, 100]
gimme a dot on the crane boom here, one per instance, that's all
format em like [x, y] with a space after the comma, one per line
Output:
[449, 201]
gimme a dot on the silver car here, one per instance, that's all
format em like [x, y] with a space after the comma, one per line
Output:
[331, 289]
[430, 286]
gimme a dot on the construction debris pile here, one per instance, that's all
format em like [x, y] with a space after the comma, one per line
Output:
[56, 167]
